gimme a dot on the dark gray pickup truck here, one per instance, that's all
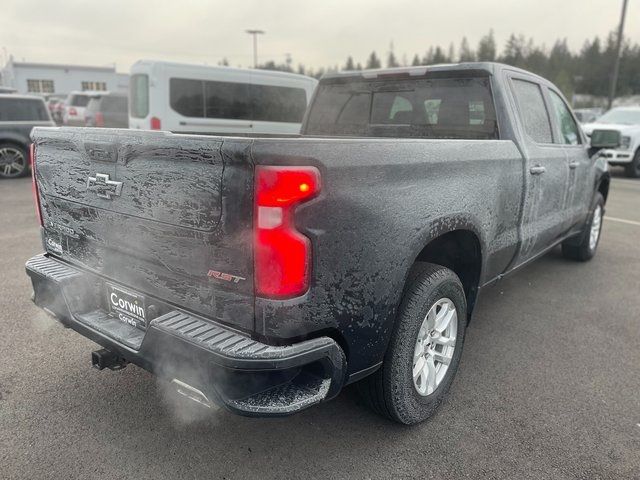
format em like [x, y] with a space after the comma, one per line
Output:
[264, 274]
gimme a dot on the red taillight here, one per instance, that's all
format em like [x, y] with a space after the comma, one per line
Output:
[99, 119]
[282, 254]
[72, 111]
[34, 185]
[156, 124]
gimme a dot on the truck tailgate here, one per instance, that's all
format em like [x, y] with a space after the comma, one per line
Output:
[151, 211]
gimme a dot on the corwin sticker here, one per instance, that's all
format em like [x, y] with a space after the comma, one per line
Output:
[129, 307]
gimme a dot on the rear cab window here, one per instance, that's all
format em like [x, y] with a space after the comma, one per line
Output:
[22, 110]
[447, 108]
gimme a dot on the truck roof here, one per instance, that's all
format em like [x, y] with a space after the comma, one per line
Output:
[491, 68]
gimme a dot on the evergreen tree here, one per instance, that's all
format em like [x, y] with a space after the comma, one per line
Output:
[438, 56]
[416, 60]
[487, 48]
[349, 65]
[391, 60]
[373, 61]
[466, 54]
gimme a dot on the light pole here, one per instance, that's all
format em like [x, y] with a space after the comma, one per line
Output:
[255, 34]
[616, 65]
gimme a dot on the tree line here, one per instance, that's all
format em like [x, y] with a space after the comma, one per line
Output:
[587, 71]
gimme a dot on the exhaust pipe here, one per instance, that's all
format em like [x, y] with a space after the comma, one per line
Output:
[191, 393]
[103, 358]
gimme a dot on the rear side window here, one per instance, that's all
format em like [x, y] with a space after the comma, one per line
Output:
[270, 103]
[79, 100]
[187, 97]
[568, 127]
[236, 101]
[139, 93]
[22, 110]
[226, 100]
[533, 112]
[114, 104]
[457, 108]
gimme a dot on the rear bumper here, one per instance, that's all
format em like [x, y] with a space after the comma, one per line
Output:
[245, 376]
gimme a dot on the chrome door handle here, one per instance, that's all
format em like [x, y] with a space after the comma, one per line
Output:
[574, 165]
[537, 170]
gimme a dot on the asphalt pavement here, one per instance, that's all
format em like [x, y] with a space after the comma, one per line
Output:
[549, 387]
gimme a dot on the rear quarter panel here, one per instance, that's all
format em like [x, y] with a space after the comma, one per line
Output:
[382, 201]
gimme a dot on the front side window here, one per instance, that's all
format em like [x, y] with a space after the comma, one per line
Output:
[22, 110]
[568, 127]
[533, 112]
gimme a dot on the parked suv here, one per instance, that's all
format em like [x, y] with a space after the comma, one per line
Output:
[75, 105]
[18, 115]
[110, 110]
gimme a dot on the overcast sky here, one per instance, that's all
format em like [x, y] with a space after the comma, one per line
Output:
[315, 33]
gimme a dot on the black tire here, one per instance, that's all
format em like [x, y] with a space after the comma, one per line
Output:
[23, 161]
[580, 248]
[390, 391]
[633, 169]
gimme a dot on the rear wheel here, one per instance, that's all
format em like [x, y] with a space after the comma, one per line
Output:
[424, 350]
[584, 247]
[13, 161]
[633, 169]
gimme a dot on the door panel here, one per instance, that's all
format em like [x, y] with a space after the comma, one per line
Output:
[580, 172]
[547, 172]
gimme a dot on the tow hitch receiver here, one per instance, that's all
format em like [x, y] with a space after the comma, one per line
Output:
[104, 358]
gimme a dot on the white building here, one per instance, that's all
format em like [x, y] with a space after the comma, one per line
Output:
[44, 78]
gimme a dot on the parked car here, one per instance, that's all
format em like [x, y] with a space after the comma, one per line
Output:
[109, 110]
[7, 89]
[74, 107]
[55, 105]
[266, 273]
[217, 100]
[18, 115]
[626, 120]
[587, 115]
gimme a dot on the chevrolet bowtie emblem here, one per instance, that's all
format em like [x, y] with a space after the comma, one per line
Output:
[104, 187]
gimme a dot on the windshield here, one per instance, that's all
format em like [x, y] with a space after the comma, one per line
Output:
[624, 117]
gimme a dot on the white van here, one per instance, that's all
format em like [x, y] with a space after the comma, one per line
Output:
[216, 100]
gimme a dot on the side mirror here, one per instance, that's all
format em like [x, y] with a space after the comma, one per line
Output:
[605, 139]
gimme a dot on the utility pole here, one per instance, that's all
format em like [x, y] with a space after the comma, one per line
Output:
[255, 34]
[616, 65]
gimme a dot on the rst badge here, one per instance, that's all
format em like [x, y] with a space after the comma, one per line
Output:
[227, 277]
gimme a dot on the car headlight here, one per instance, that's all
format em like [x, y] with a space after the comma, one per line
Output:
[625, 142]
